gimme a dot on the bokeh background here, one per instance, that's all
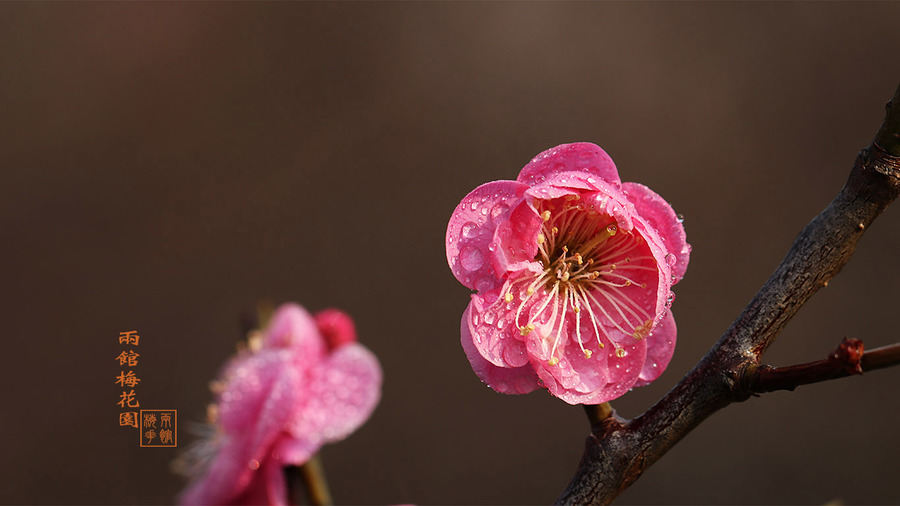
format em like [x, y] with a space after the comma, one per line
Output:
[165, 166]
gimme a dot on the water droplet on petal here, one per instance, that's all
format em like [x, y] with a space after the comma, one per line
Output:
[484, 211]
[471, 258]
[620, 352]
[498, 210]
[489, 318]
[680, 218]
[469, 229]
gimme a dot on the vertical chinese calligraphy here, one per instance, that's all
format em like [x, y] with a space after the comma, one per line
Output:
[127, 379]
[156, 427]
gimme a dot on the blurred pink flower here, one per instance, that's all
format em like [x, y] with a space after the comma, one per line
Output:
[304, 383]
[573, 271]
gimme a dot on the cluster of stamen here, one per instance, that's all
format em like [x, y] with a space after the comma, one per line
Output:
[585, 259]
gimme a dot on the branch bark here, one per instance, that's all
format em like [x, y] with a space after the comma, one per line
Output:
[617, 451]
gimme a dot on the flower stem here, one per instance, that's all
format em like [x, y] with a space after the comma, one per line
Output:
[313, 477]
[596, 413]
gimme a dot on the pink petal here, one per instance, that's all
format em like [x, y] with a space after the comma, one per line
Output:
[660, 215]
[496, 345]
[471, 230]
[663, 261]
[267, 487]
[285, 396]
[336, 327]
[294, 451]
[660, 347]
[506, 380]
[578, 156]
[343, 392]
[515, 239]
[574, 379]
[291, 325]
[248, 385]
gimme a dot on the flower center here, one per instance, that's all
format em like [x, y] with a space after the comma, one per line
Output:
[591, 268]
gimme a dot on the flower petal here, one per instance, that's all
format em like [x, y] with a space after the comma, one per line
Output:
[663, 260]
[578, 156]
[506, 380]
[292, 326]
[268, 486]
[342, 393]
[253, 412]
[471, 231]
[575, 380]
[248, 383]
[515, 239]
[660, 347]
[660, 215]
[336, 327]
[493, 331]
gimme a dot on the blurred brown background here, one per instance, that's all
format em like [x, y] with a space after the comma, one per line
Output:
[165, 166]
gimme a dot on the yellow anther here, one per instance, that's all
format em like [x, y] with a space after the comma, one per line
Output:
[555, 230]
[643, 285]
[587, 353]
[254, 341]
[540, 239]
[565, 249]
[553, 361]
[620, 352]
[642, 330]
[576, 309]
[545, 215]
[529, 291]
[601, 345]
[509, 297]
[526, 329]
[627, 283]
[565, 276]
[578, 258]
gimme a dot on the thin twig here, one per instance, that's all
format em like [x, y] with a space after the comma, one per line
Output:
[848, 359]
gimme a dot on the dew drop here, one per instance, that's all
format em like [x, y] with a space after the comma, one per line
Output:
[670, 259]
[484, 211]
[680, 218]
[498, 210]
[620, 352]
[489, 318]
[473, 206]
[471, 258]
[501, 323]
[469, 229]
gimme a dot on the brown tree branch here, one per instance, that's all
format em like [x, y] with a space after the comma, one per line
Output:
[617, 452]
[848, 359]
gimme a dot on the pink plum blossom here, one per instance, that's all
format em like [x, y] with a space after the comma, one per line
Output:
[304, 382]
[573, 271]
